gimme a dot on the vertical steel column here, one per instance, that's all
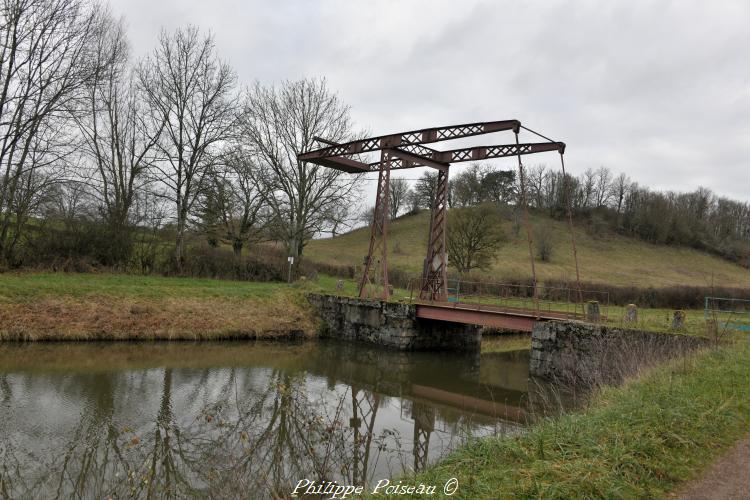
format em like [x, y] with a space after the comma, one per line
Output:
[434, 278]
[377, 256]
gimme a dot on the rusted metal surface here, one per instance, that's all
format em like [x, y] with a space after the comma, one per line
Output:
[522, 320]
[435, 283]
[476, 153]
[421, 136]
[408, 150]
[375, 274]
[485, 317]
[482, 406]
[345, 164]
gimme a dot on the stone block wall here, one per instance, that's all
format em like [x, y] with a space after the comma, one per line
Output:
[574, 352]
[390, 324]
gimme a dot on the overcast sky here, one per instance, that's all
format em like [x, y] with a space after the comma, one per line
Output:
[659, 90]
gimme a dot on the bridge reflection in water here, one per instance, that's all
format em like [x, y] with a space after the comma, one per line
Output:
[183, 419]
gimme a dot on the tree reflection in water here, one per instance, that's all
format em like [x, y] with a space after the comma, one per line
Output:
[250, 427]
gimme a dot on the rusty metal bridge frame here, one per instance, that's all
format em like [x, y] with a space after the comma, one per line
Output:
[407, 150]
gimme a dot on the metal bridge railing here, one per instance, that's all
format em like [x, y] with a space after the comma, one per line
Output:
[568, 301]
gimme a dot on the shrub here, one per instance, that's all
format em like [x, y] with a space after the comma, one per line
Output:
[544, 245]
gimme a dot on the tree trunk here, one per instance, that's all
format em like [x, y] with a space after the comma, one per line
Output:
[237, 245]
[180, 241]
[179, 249]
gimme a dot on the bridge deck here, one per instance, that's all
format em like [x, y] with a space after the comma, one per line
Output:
[486, 315]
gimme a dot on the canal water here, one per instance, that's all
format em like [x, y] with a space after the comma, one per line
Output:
[239, 418]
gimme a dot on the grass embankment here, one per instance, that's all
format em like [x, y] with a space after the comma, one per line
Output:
[640, 440]
[604, 257]
[48, 306]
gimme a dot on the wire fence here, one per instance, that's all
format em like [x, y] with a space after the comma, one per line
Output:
[728, 313]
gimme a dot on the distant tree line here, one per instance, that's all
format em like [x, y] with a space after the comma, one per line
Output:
[107, 158]
[600, 200]
[699, 219]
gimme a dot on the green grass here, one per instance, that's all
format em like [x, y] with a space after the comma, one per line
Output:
[641, 440]
[505, 343]
[606, 258]
[27, 285]
[327, 284]
[61, 306]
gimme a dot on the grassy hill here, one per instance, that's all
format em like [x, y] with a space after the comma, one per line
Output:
[604, 257]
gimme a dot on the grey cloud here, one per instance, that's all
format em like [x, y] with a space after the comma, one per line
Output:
[660, 90]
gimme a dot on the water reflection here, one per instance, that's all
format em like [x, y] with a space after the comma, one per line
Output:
[183, 420]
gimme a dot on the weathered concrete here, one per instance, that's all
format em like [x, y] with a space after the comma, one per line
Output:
[391, 325]
[588, 353]
[631, 314]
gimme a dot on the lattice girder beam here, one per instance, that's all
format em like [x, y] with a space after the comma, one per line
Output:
[477, 153]
[414, 137]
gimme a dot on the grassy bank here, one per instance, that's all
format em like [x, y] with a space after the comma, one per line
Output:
[57, 306]
[637, 441]
[605, 257]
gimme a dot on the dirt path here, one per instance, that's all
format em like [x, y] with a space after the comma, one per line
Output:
[727, 478]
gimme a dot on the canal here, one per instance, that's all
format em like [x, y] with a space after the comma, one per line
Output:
[95, 420]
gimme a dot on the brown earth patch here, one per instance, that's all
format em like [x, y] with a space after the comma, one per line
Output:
[118, 318]
[727, 478]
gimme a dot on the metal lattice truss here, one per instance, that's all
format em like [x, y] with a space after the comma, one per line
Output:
[408, 150]
[424, 426]
[376, 264]
[435, 274]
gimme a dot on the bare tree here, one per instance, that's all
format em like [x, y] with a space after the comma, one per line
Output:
[340, 217]
[535, 177]
[118, 141]
[45, 60]
[602, 187]
[425, 189]
[467, 186]
[280, 122]
[191, 91]
[619, 190]
[544, 242]
[367, 216]
[474, 236]
[232, 204]
[413, 202]
[399, 193]
[498, 186]
[588, 187]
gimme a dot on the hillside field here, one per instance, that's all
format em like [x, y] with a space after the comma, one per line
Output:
[604, 258]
